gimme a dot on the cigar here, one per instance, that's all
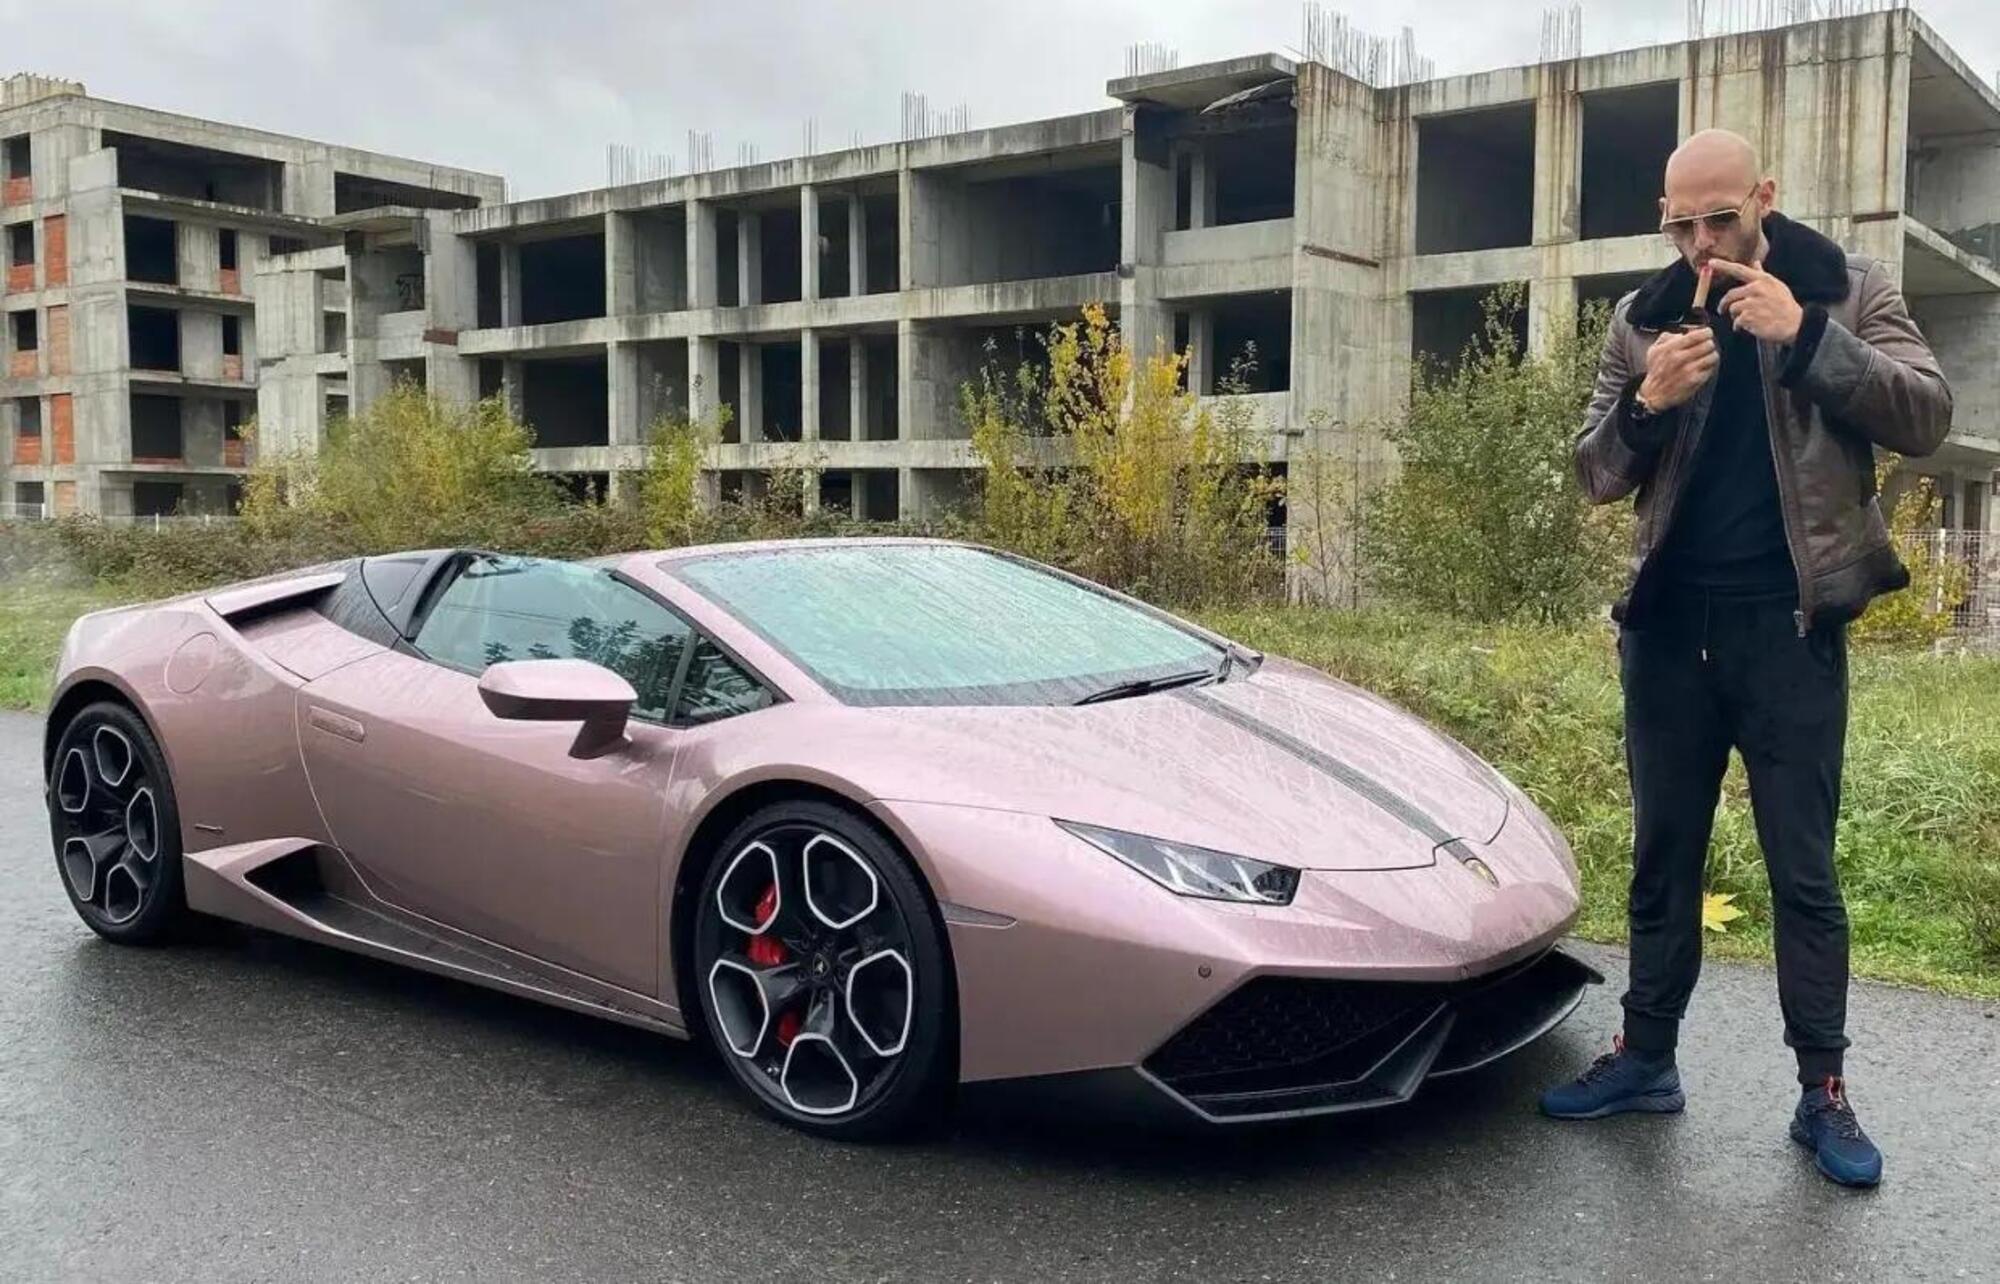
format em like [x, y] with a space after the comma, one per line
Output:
[1698, 314]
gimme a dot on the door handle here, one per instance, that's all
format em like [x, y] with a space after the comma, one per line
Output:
[338, 724]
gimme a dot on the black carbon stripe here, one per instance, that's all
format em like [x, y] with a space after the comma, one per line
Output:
[1369, 788]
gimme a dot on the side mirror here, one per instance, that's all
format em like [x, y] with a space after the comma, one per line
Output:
[562, 691]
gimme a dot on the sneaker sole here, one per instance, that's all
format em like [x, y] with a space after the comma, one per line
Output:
[1650, 1103]
[1804, 1139]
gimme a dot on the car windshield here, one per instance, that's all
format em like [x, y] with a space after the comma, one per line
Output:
[889, 624]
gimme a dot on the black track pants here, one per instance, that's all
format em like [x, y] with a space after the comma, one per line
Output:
[1703, 674]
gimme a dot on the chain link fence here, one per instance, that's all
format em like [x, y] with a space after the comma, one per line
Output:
[1977, 617]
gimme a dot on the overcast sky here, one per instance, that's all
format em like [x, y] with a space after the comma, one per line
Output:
[535, 89]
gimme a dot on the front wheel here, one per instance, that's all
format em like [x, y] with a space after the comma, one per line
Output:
[117, 831]
[822, 973]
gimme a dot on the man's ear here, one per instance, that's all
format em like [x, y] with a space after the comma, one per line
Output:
[1767, 195]
[1663, 209]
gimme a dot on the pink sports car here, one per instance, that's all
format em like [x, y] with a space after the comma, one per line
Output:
[877, 817]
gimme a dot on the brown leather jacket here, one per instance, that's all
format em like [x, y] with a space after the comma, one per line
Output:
[1859, 376]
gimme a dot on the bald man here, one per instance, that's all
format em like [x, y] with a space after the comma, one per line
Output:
[1748, 434]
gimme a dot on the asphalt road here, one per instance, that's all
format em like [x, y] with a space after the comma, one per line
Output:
[251, 1108]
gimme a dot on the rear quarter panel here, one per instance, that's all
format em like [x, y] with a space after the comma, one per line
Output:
[222, 712]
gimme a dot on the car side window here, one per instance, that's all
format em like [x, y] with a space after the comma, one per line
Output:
[717, 687]
[521, 608]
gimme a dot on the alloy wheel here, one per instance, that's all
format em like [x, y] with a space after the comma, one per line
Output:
[805, 960]
[108, 824]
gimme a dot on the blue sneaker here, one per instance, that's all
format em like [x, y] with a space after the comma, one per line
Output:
[1618, 1082]
[1825, 1124]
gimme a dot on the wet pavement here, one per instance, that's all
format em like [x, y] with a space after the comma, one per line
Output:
[251, 1108]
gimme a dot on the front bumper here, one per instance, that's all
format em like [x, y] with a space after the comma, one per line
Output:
[1282, 1047]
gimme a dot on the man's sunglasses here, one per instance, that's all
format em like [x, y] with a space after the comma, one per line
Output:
[1717, 221]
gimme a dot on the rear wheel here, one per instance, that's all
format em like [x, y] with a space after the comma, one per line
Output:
[822, 973]
[117, 832]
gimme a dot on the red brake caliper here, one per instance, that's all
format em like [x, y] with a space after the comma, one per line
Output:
[766, 950]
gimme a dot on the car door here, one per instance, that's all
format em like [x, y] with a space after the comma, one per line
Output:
[492, 826]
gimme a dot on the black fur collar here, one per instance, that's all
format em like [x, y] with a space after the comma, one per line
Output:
[1813, 266]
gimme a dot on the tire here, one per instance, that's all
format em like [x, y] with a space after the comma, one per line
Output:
[837, 1017]
[104, 821]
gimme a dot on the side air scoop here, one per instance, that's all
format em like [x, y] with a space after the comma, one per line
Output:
[306, 889]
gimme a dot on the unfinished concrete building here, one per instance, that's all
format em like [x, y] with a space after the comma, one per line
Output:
[836, 303]
[137, 244]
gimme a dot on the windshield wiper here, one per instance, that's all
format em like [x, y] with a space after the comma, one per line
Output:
[1145, 686]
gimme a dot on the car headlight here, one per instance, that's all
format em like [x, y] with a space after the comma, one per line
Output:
[1195, 871]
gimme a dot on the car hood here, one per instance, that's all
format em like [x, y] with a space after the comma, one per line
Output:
[1285, 765]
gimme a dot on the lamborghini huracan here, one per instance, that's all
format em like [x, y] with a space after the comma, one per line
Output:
[877, 818]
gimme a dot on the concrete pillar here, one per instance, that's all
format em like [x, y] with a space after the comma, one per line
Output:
[198, 248]
[749, 259]
[1558, 211]
[510, 284]
[857, 389]
[701, 257]
[1147, 185]
[1201, 188]
[1201, 352]
[1551, 312]
[704, 378]
[809, 385]
[451, 276]
[307, 187]
[857, 245]
[907, 426]
[512, 384]
[627, 426]
[910, 257]
[621, 268]
[750, 391]
[201, 432]
[809, 414]
[809, 255]
[451, 297]
[201, 344]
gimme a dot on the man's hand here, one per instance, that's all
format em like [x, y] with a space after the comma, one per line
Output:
[1762, 304]
[1677, 365]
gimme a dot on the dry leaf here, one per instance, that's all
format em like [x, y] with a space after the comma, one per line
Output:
[1716, 911]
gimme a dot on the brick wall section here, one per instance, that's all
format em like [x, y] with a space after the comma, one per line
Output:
[232, 281]
[20, 278]
[62, 427]
[18, 191]
[24, 365]
[28, 450]
[233, 453]
[232, 365]
[65, 498]
[57, 341]
[55, 250]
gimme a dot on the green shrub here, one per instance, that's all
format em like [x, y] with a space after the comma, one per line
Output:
[410, 471]
[1105, 464]
[1484, 519]
[670, 488]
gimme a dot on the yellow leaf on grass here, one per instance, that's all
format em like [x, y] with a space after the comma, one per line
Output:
[1716, 911]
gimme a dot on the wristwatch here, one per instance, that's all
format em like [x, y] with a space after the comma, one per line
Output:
[1641, 412]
